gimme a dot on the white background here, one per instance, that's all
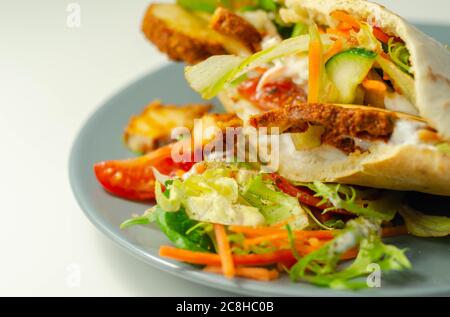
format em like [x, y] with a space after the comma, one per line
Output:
[51, 79]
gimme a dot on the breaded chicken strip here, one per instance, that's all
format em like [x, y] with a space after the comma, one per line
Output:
[228, 23]
[341, 124]
[186, 36]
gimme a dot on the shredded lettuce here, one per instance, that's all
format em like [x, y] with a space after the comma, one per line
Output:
[268, 5]
[182, 231]
[210, 76]
[366, 39]
[400, 80]
[147, 218]
[443, 148]
[275, 205]
[299, 29]
[352, 200]
[421, 225]
[321, 267]
[400, 55]
[208, 6]
[210, 197]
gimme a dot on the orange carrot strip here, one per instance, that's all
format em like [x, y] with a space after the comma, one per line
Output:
[344, 26]
[380, 35]
[338, 32]
[394, 231]
[284, 236]
[343, 16]
[224, 250]
[254, 273]
[333, 50]
[375, 85]
[202, 258]
[261, 231]
[200, 168]
[350, 254]
[315, 61]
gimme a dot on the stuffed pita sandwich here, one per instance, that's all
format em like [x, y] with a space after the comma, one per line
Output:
[360, 96]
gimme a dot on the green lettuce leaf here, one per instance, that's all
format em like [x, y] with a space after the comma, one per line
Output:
[210, 197]
[354, 201]
[177, 226]
[401, 80]
[275, 205]
[321, 267]
[400, 55]
[443, 148]
[421, 225]
[182, 231]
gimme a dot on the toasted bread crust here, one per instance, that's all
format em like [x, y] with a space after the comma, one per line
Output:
[230, 24]
[177, 45]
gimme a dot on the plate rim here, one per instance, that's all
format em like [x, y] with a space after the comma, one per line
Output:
[193, 274]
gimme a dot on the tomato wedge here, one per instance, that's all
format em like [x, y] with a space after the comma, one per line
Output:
[133, 178]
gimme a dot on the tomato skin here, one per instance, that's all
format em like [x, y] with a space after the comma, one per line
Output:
[273, 95]
[306, 197]
[133, 178]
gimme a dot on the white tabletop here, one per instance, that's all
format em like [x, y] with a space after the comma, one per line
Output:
[52, 78]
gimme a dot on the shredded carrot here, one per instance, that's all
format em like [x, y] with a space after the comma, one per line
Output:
[265, 239]
[315, 61]
[374, 85]
[224, 251]
[337, 32]
[180, 172]
[263, 231]
[343, 16]
[254, 273]
[202, 258]
[344, 26]
[299, 235]
[350, 254]
[394, 231]
[380, 35]
[314, 241]
[333, 50]
[200, 168]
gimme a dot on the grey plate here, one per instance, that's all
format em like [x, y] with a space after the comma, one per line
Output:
[100, 139]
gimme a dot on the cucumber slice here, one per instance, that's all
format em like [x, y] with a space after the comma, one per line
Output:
[348, 69]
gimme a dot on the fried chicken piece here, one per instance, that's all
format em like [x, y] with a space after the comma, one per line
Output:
[341, 124]
[185, 36]
[228, 23]
[153, 127]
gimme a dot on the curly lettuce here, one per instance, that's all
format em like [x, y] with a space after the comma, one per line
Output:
[321, 267]
[355, 201]
[275, 205]
[400, 55]
[421, 225]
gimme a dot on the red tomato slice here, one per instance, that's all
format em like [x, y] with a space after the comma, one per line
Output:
[133, 178]
[304, 195]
